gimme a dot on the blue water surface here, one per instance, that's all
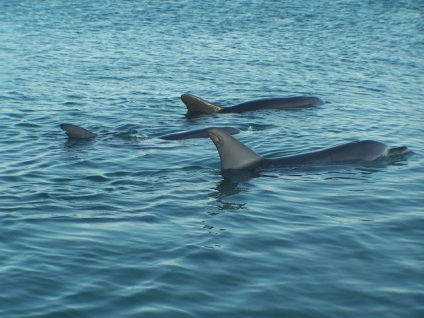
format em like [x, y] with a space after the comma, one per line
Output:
[129, 225]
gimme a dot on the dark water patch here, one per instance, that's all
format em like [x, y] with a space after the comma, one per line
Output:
[72, 104]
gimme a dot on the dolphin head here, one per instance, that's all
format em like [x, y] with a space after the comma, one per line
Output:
[315, 101]
[365, 150]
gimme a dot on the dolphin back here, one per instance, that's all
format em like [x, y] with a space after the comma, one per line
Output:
[234, 155]
[274, 103]
[199, 133]
[77, 132]
[197, 106]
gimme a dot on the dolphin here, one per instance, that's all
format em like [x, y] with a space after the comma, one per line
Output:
[197, 106]
[77, 132]
[198, 133]
[237, 156]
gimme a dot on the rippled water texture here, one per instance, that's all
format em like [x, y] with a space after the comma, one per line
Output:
[129, 225]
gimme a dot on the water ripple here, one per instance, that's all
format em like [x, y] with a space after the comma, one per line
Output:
[129, 225]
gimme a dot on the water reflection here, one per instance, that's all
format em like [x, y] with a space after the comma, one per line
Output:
[221, 193]
[231, 184]
[236, 182]
[71, 144]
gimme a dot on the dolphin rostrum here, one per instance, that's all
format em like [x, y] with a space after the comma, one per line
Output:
[77, 132]
[237, 156]
[197, 106]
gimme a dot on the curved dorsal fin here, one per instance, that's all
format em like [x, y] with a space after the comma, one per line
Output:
[77, 132]
[196, 105]
[234, 155]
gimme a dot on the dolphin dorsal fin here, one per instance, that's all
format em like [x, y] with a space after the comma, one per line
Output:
[234, 155]
[196, 105]
[77, 132]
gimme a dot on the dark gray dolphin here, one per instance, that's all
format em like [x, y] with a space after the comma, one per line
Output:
[197, 106]
[198, 133]
[236, 156]
[77, 132]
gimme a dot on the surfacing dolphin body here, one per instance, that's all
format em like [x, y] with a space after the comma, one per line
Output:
[197, 106]
[77, 132]
[198, 133]
[236, 156]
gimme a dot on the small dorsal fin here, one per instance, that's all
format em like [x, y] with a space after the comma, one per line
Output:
[234, 155]
[196, 105]
[77, 132]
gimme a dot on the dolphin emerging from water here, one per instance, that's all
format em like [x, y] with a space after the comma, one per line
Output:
[77, 132]
[236, 156]
[197, 106]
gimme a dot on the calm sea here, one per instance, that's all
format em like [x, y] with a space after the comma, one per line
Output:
[129, 225]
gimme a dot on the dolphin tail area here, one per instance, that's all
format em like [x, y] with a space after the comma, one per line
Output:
[77, 132]
[197, 106]
[234, 154]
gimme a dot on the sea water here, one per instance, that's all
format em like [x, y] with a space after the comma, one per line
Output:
[129, 225]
